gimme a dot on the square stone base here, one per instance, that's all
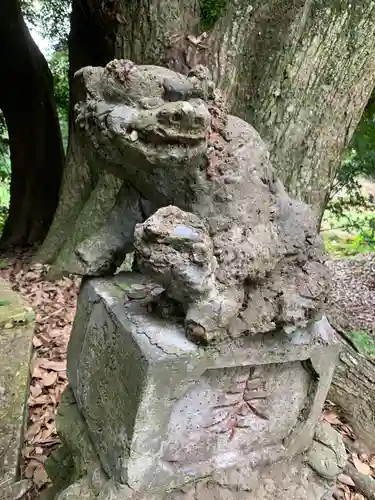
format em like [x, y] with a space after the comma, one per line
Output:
[162, 412]
[77, 473]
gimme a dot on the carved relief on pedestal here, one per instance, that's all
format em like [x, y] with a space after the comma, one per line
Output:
[229, 413]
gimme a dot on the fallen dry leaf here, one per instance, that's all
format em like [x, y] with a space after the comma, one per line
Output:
[40, 476]
[40, 400]
[57, 366]
[331, 417]
[35, 371]
[361, 466]
[47, 433]
[49, 379]
[344, 479]
[35, 390]
[32, 430]
[37, 342]
[364, 457]
[54, 304]
[27, 451]
[31, 466]
[346, 429]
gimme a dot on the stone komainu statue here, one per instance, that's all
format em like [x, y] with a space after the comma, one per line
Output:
[200, 204]
[221, 247]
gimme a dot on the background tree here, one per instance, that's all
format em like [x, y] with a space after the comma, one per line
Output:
[300, 71]
[59, 66]
[28, 107]
[51, 19]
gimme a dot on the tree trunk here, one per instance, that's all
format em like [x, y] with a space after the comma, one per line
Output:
[353, 390]
[299, 71]
[138, 30]
[36, 151]
[91, 43]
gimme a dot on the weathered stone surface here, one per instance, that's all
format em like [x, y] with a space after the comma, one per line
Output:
[224, 259]
[105, 251]
[76, 457]
[162, 411]
[80, 490]
[289, 479]
[15, 491]
[293, 479]
[16, 330]
[327, 454]
[168, 137]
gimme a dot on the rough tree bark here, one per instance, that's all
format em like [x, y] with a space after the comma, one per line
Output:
[91, 42]
[37, 157]
[100, 32]
[353, 388]
[299, 71]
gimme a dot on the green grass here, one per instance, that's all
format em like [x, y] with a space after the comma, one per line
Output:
[348, 235]
[4, 194]
[4, 202]
[364, 342]
[341, 244]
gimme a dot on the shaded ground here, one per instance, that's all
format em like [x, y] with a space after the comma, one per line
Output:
[353, 300]
[54, 304]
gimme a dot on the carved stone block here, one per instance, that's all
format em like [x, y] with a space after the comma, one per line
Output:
[162, 411]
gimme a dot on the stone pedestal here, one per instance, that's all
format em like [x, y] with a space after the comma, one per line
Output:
[159, 413]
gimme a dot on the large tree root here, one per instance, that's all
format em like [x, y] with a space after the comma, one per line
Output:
[364, 484]
[353, 389]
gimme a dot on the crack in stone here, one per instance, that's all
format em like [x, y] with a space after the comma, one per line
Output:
[157, 345]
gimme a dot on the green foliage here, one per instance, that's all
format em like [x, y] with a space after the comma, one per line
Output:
[346, 190]
[4, 150]
[350, 233]
[349, 209]
[363, 141]
[363, 342]
[342, 245]
[28, 10]
[54, 17]
[358, 161]
[210, 11]
[51, 17]
[59, 66]
[360, 222]
[5, 172]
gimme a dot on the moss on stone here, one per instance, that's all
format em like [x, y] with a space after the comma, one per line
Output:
[13, 308]
[210, 11]
[16, 331]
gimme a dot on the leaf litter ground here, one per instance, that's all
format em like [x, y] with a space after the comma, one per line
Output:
[55, 305]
